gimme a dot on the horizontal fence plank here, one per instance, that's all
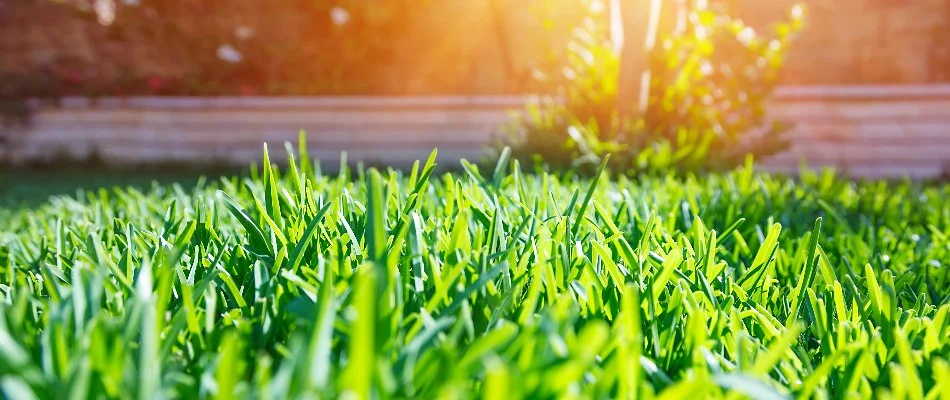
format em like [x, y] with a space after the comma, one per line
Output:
[827, 110]
[301, 117]
[862, 92]
[289, 102]
[394, 157]
[881, 171]
[369, 125]
[883, 132]
[247, 136]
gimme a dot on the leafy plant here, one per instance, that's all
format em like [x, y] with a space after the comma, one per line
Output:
[382, 284]
[710, 84]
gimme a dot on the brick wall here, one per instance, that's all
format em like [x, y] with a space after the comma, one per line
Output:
[451, 46]
[867, 131]
[863, 41]
[455, 47]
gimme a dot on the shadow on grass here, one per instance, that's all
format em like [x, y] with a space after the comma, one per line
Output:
[33, 186]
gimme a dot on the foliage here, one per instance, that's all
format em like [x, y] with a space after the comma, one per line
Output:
[382, 284]
[710, 82]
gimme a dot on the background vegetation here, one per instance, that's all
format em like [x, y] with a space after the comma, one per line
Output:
[710, 79]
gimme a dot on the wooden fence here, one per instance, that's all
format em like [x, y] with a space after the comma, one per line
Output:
[866, 131]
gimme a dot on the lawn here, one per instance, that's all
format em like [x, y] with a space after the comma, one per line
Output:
[31, 187]
[489, 282]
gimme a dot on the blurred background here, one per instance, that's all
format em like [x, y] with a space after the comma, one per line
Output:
[97, 92]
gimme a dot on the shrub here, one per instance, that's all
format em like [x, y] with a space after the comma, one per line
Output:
[710, 83]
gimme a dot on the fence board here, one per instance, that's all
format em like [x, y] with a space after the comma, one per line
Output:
[867, 131]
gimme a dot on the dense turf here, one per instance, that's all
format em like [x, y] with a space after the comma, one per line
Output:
[490, 283]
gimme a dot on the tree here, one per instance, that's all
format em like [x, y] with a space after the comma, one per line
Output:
[641, 23]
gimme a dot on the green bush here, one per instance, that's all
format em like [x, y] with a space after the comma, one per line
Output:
[709, 87]
[370, 284]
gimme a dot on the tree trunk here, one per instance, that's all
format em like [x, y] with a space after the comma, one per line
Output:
[513, 76]
[641, 21]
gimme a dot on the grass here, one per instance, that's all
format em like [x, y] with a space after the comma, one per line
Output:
[488, 283]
